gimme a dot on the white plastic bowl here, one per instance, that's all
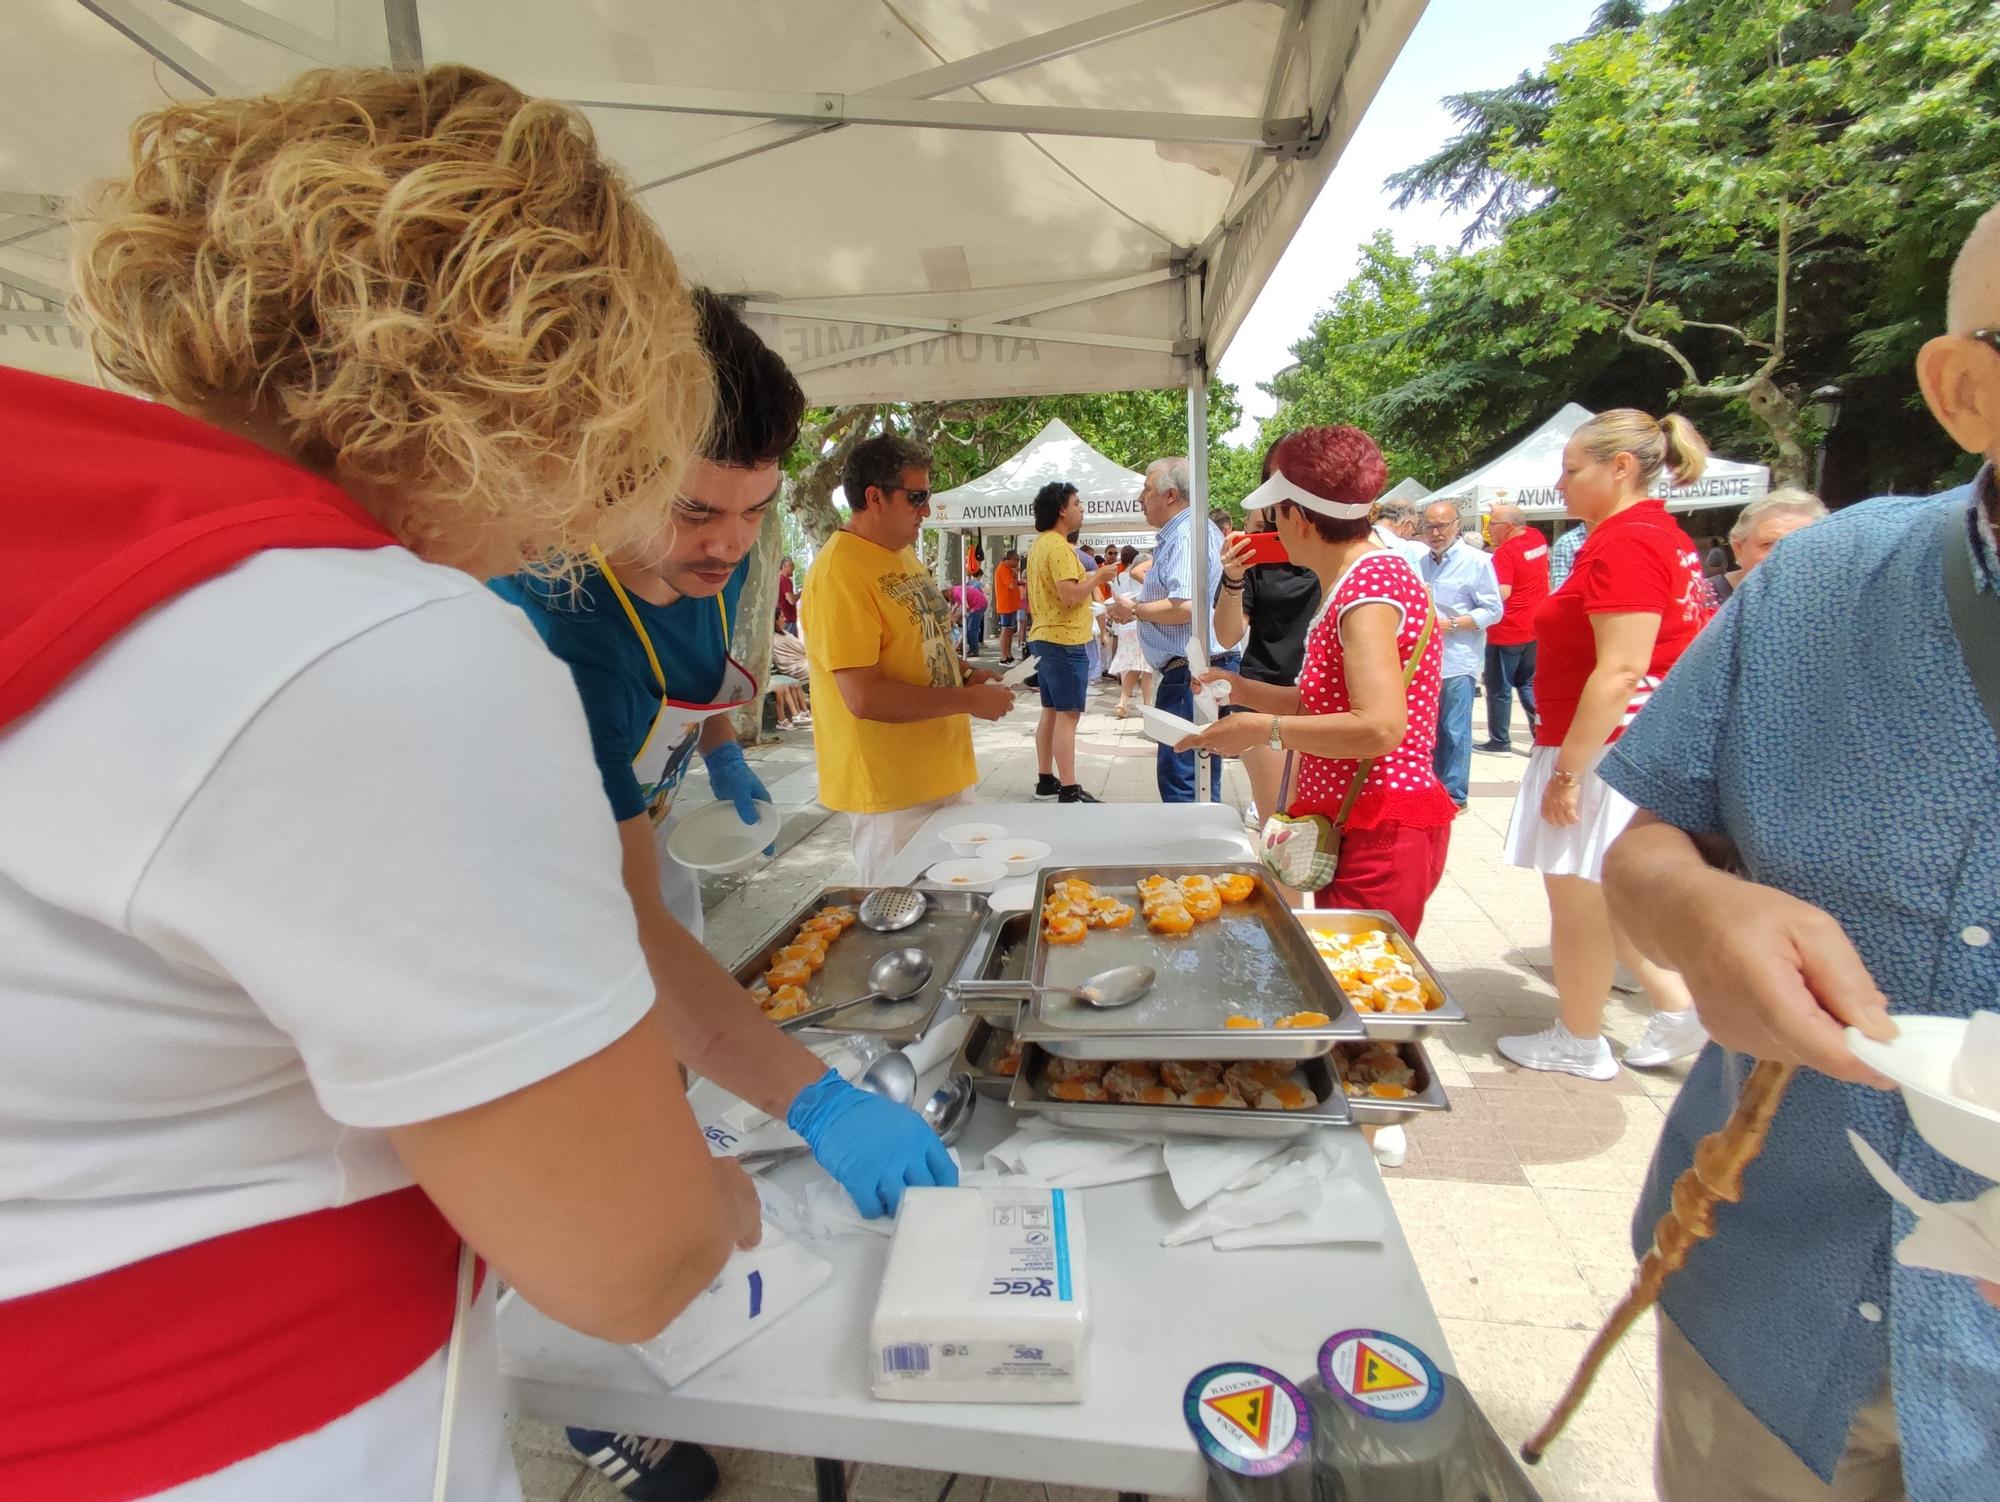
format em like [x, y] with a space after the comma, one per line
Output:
[966, 875]
[1019, 856]
[972, 839]
[1167, 729]
[1012, 897]
[713, 838]
[1919, 1058]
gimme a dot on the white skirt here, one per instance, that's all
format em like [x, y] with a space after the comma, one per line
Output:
[1535, 843]
[1128, 656]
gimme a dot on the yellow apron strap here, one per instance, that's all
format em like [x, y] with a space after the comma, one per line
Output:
[632, 615]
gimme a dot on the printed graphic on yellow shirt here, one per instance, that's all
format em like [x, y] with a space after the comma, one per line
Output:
[931, 616]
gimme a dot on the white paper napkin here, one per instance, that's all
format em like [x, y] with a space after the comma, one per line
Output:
[753, 1290]
[1962, 1238]
[1200, 1167]
[1307, 1196]
[1074, 1160]
[1975, 1073]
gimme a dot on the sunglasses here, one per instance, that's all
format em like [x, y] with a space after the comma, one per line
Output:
[918, 499]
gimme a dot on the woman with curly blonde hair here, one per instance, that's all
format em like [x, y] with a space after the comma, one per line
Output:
[314, 956]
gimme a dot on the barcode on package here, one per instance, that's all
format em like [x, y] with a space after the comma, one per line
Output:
[910, 1360]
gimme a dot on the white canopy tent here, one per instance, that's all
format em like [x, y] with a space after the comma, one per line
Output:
[1526, 475]
[1003, 499]
[912, 199]
[1405, 489]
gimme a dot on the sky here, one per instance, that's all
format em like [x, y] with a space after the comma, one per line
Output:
[1459, 45]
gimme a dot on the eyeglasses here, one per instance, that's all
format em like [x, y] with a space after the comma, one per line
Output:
[1440, 526]
[918, 499]
[1988, 337]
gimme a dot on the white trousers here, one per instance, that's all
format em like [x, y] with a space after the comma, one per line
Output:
[880, 838]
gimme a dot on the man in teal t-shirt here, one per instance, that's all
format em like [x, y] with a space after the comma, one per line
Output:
[646, 638]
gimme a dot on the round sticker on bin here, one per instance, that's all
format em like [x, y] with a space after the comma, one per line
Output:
[1247, 1418]
[1380, 1375]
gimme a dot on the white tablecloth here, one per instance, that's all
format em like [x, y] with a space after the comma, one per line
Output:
[1160, 1315]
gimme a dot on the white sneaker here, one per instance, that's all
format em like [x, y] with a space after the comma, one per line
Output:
[1557, 1048]
[1669, 1036]
[1392, 1145]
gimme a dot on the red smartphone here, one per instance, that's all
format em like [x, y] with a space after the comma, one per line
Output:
[1265, 547]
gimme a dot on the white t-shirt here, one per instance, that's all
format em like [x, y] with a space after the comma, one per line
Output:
[316, 849]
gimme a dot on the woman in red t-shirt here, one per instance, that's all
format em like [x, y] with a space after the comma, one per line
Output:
[1632, 603]
[1354, 710]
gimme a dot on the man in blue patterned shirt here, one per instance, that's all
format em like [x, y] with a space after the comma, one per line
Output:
[1562, 554]
[1796, 1353]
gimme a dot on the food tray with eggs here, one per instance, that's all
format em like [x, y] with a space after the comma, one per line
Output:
[1387, 1082]
[1194, 1098]
[946, 933]
[1238, 979]
[1381, 972]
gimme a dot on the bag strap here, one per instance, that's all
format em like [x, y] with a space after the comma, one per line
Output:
[461, 1311]
[1364, 767]
[1975, 615]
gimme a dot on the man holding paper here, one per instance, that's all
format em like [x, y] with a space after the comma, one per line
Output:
[1794, 1346]
[1165, 613]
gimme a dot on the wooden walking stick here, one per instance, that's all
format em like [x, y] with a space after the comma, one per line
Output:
[1715, 1176]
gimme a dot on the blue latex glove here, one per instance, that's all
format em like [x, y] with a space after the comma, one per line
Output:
[873, 1147]
[730, 775]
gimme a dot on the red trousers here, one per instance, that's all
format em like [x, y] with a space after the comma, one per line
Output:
[1393, 868]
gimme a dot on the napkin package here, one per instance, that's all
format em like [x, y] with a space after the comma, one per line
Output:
[983, 1299]
[753, 1291]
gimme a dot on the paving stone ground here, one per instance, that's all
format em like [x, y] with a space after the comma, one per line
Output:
[1516, 1204]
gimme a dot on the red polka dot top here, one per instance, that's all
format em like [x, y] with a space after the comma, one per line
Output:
[1402, 787]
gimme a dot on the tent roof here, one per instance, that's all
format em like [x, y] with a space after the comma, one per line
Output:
[914, 198]
[1526, 474]
[1406, 489]
[1003, 499]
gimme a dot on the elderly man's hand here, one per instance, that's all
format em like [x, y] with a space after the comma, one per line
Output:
[1120, 609]
[1774, 977]
[979, 675]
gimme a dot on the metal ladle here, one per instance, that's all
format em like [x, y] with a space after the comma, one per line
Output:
[894, 1078]
[1118, 987]
[896, 976]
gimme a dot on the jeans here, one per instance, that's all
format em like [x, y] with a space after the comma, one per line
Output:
[1452, 756]
[1508, 669]
[1175, 695]
[975, 631]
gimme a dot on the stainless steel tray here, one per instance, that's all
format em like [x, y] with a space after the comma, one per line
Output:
[994, 1019]
[989, 1037]
[1430, 1094]
[1030, 1094]
[945, 933]
[1396, 1026]
[1254, 961]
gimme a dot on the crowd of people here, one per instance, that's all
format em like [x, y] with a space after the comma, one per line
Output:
[331, 988]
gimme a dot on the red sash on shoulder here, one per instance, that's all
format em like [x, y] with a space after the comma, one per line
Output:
[165, 1370]
[111, 505]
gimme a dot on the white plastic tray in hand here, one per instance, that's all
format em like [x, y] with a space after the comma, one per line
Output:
[1167, 729]
[1920, 1058]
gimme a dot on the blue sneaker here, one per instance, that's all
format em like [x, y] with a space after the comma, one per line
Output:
[648, 1470]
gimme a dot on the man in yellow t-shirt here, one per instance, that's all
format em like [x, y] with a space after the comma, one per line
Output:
[890, 695]
[1059, 594]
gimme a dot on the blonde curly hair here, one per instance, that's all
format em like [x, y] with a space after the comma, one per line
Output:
[430, 286]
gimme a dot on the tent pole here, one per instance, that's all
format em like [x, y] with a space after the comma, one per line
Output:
[1203, 602]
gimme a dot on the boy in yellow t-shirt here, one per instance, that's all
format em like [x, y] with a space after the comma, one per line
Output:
[1059, 593]
[890, 696]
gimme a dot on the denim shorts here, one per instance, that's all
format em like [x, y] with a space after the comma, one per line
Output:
[1004, 619]
[1064, 673]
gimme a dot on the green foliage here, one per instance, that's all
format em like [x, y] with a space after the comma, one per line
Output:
[1751, 197]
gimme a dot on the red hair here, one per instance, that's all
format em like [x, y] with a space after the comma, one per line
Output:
[1337, 464]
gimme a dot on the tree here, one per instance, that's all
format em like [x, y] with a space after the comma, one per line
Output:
[1722, 187]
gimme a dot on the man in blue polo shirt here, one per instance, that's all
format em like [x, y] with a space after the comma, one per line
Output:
[1798, 1357]
[1165, 613]
[646, 638]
